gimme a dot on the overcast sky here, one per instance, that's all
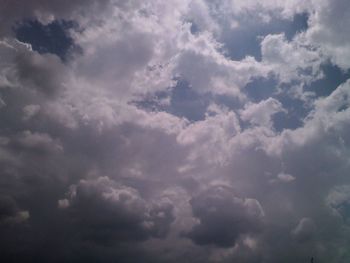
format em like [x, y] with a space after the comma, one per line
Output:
[175, 131]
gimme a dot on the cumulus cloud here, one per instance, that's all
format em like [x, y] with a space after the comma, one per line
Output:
[219, 126]
[99, 162]
[262, 112]
[329, 33]
[108, 212]
[208, 70]
[223, 217]
[291, 61]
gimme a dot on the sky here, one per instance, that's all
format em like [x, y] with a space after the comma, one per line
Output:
[174, 131]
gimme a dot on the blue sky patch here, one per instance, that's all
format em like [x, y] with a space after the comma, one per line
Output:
[244, 40]
[52, 38]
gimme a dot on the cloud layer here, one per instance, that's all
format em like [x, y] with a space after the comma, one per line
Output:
[161, 135]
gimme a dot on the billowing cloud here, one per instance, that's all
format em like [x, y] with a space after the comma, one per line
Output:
[262, 112]
[330, 34]
[291, 61]
[223, 217]
[107, 212]
[102, 158]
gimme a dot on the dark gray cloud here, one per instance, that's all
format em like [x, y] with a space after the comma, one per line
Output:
[223, 217]
[305, 230]
[106, 212]
[9, 211]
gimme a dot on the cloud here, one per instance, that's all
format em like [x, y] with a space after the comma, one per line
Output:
[23, 68]
[285, 177]
[30, 111]
[223, 217]
[211, 134]
[338, 200]
[17, 11]
[38, 141]
[107, 212]
[305, 230]
[10, 213]
[261, 113]
[90, 173]
[207, 70]
[291, 61]
[328, 33]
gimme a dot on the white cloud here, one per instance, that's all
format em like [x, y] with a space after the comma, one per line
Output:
[261, 113]
[210, 138]
[285, 177]
[291, 60]
[329, 33]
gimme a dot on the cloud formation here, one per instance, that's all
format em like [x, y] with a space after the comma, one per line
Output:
[223, 217]
[100, 160]
[107, 212]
